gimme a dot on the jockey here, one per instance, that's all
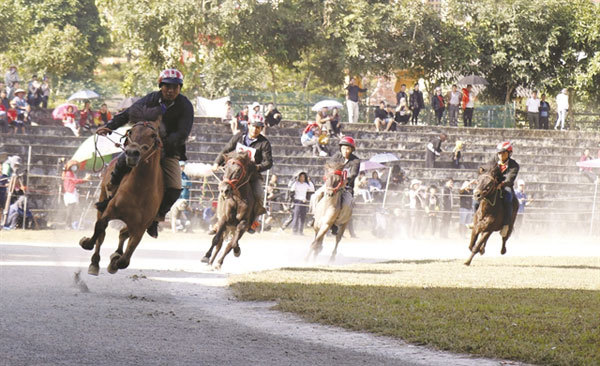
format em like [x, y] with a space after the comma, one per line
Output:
[177, 118]
[263, 158]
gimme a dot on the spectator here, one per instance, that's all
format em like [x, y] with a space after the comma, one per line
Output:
[186, 184]
[453, 99]
[272, 117]
[313, 136]
[362, 187]
[383, 119]
[374, 184]
[322, 118]
[434, 148]
[468, 105]
[466, 206]
[228, 114]
[4, 99]
[416, 103]
[301, 188]
[69, 121]
[544, 112]
[102, 116]
[437, 103]
[12, 114]
[22, 106]
[523, 201]
[209, 216]
[352, 91]
[16, 215]
[333, 125]
[86, 116]
[4, 106]
[432, 208]
[11, 77]
[447, 199]
[11, 91]
[401, 94]
[45, 91]
[273, 197]
[402, 112]
[533, 111]
[71, 195]
[179, 216]
[562, 107]
[240, 123]
[415, 205]
[256, 114]
[10, 167]
[34, 93]
[457, 155]
[587, 172]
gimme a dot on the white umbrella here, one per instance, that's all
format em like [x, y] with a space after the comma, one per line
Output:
[589, 163]
[102, 149]
[84, 94]
[370, 165]
[473, 80]
[384, 158]
[328, 103]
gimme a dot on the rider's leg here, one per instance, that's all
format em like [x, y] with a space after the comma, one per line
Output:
[118, 173]
[258, 186]
[507, 202]
[172, 182]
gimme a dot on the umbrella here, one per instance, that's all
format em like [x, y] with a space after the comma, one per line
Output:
[589, 163]
[384, 158]
[84, 94]
[127, 102]
[370, 165]
[106, 149]
[473, 80]
[328, 103]
[59, 112]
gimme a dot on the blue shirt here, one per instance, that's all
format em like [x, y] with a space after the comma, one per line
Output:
[522, 197]
[185, 185]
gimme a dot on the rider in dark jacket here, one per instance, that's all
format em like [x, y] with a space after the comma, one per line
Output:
[177, 117]
[351, 162]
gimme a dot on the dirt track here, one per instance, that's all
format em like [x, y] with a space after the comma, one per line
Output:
[169, 309]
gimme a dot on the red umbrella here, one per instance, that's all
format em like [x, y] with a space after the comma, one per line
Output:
[59, 112]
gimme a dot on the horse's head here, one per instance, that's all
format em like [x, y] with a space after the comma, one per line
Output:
[335, 178]
[487, 182]
[144, 137]
[238, 171]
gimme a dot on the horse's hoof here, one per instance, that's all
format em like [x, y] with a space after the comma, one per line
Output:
[93, 269]
[467, 263]
[237, 251]
[86, 243]
[503, 251]
[204, 260]
[217, 267]
[112, 266]
[482, 251]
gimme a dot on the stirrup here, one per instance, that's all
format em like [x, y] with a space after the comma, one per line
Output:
[252, 228]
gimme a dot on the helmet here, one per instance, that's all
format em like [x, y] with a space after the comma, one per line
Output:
[170, 76]
[504, 146]
[348, 141]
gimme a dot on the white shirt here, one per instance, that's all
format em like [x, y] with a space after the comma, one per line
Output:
[533, 105]
[471, 103]
[301, 189]
[455, 97]
[562, 102]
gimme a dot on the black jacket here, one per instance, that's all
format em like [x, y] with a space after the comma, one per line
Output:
[416, 99]
[510, 173]
[263, 156]
[401, 95]
[270, 119]
[436, 103]
[352, 166]
[381, 113]
[178, 119]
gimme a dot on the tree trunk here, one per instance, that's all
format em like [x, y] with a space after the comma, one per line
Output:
[509, 90]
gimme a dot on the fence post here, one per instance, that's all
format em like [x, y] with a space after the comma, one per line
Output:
[387, 184]
[27, 189]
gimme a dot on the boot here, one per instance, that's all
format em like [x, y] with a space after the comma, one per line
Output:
[169, 197]
[116, 176]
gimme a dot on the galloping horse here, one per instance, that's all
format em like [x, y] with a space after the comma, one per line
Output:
[137, 199]
[329, 209]
[489, 216]
[235, 210]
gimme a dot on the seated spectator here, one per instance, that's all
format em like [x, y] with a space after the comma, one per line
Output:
[402, 112]
[240, 122]
[102, 116]
[322, 118]
[362, 187]
[23, 109]
[179, 215]
[383, 118]
[12, 118]
[312, 136]
[272, 117]
[69, 121]
[457, 155]
[374, 184]
[16, 213]
[3, 119]
[255, 113]
[587, 172]
[333, 125]
[86, 117]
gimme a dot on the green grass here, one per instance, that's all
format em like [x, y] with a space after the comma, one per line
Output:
[545, 323]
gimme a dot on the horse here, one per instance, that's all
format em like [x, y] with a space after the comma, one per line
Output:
[235, 208]
[136, 201]
[329, 210]
[489, 216]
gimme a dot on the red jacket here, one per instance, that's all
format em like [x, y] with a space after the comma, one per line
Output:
[465, 97]
[70, 181]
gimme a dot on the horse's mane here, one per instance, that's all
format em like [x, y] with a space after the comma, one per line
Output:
[243, 158]
[493, 169]
[334, 165]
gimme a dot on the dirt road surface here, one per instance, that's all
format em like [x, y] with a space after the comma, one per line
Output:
[167, 308]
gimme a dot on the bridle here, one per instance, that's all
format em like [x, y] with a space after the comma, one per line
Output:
[343, 174]
[494, 190]
[151, 150]
[233, 183]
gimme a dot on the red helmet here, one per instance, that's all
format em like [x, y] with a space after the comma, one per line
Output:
[348, 141]
[504, 146]
[170, 76]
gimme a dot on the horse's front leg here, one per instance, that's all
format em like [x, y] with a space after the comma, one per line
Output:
[233, 243]
[317, 244]
[220, 228]
[481, 242]
[338, 238]
[123, 236]
[94, 268]
[474, 235]
[135, 237]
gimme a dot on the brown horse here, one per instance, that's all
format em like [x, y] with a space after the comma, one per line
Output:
[235, 210]
[329, 210]
[489, 216]
[137, 199]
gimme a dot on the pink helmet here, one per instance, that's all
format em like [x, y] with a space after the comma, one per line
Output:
[504, 146]
[170, 76]
[348, 141]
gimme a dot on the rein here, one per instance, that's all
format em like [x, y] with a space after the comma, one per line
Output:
[234, 182]
[493, 190]
[341, 173]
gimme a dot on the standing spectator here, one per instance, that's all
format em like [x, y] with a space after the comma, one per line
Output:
[11, 77]
[437, 103]
[301, 189]
[416, 103]
[313, 136]
[383, 119]
[362, 187]
[352, 91]
[466, 206]
[333, 125]
[523, 201]
[34, 92]
[86, 116]
[544, 112]
[102, 116]
[562, 106]
[453, 99]
[468, 105]
[186, 184]
[434, 148]
[432, 208]
[457, 154]
[402, 112]
[272, 117]
[414, 207]
[209, 216]
[71, 195]
[69, 121]
[322, 117]
[447, 199]
[533, 111]
[228, 116]
[587, 172]
[240, 123]
[45, 91]
[401, 94]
